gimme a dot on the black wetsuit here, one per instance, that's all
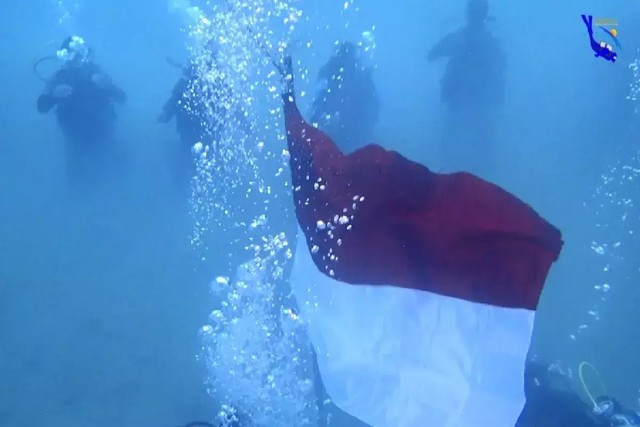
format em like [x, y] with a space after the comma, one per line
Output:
[87, 115]
[347, 108]
[549, 405]
[185, 108]
[196, 108]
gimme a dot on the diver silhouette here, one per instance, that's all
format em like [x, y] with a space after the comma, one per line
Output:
[471, 89]
[202, 104]
[83, 95]
[601, 49]
[553, 402]
[84, 98]
[346, 107]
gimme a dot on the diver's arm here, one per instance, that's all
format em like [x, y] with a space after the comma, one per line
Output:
[113, 91]
[45, 103]
[117, 94]
[169, 108]
[46, 100]
[444, 47]
[104, 82]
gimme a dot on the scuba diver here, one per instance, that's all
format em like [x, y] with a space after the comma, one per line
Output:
[187, 108]
[347, 106]
[84, 98]
[201, 103]
[601, 49]
[473, 84]
[552, 401]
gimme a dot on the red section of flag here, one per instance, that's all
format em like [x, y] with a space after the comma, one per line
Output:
[389, 221]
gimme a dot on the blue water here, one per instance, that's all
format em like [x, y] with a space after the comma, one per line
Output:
[103, 297]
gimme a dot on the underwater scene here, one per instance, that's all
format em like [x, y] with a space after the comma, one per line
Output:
[306, 213]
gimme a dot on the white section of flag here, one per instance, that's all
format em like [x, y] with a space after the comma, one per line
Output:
[396, 357]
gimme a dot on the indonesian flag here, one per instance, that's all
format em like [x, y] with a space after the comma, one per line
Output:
[419, 288]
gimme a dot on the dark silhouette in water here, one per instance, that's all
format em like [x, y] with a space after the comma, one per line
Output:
[201, 103]
[188, 109]
[472, 87]
[84, 98]
[346, 107]
[552, 402]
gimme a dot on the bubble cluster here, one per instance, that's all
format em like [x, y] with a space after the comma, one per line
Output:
[67, 10]
[254, 345]
[257, 350]
[617, 219]
[333, 230]
[634, 86]
[233, 51]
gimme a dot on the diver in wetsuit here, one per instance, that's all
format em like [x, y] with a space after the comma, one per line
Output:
[203, 107]
[188, 110]
[552, 402]
[84, 98]
[614, 414]
[473, 85]
[600, 49]
[346, 107]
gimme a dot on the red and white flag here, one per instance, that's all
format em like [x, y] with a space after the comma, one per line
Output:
[419, 288]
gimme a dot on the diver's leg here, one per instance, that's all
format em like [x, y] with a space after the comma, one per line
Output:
[588, 21]
[76, 166]
[584, 19]
[456, 140]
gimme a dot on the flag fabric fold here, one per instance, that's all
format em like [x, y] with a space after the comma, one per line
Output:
[419, 288]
